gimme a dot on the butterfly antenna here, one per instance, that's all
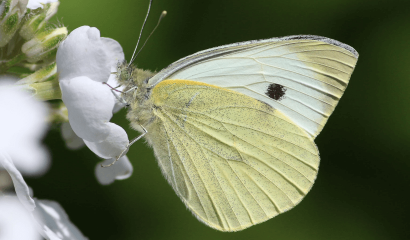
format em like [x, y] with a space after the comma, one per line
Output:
[142, 28]
[163, 14]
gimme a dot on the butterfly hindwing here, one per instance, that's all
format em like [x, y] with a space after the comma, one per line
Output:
[233, 160]
[302, 76]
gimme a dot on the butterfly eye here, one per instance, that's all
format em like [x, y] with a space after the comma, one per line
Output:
[276, 91]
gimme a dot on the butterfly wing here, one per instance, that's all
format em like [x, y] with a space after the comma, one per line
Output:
[302, 76]
[233, 160]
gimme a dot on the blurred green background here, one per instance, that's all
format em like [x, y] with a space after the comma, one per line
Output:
[363, 184]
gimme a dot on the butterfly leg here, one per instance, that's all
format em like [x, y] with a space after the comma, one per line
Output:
[120, 98]
[128, 147]
[114, 91]
[129, 90]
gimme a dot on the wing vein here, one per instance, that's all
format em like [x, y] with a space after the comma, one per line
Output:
[317, 50]
[189, 177]
[283, 176]
[223, 123]
[213, 173]
[191, 111]
[240, 199]
[338, 80]
[323, 114]
[293, 110]
[321, 64]
[264, 75]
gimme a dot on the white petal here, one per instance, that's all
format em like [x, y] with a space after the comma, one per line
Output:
[89, 105]
[55, 222]
[113, 145]
[25, 115]
[33, 4]
[114, 52]
[72, 141]
[22, 190]
[122, 169]
[32, 159]
[16, 222]
[83, 53]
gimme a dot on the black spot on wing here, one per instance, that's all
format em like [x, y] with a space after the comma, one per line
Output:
[276, 91]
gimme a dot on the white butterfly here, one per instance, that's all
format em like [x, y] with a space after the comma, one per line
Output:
[232, 127]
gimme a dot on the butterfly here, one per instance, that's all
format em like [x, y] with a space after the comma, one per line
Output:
[233, 127]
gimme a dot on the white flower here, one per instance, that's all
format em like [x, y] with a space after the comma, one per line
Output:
[85, 62]
[22, 126]
[33, 4]
[47, 216]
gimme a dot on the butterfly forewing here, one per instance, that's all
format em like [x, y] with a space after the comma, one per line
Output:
[233, 160]
[302, 76]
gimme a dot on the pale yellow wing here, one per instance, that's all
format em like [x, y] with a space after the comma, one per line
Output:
[233, 160]
[303, 76]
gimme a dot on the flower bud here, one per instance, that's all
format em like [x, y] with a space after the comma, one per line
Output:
[43, 91]
[44, 74]
[44, 44]
[37, 21]
[11, 14]
[43, 83]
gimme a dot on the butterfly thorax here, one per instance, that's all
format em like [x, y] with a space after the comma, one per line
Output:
[136, 93]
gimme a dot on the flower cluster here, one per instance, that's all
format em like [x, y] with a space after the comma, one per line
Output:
[82, 81]
[21, 153]
[81, 73]
[29, 41]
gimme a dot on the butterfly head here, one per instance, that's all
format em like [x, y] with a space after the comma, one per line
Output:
[136, 91]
